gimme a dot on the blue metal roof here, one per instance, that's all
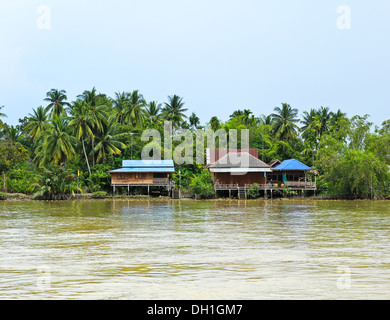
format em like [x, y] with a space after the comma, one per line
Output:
[291, 164]
[143, 170]
[143, 166]
[147, 163]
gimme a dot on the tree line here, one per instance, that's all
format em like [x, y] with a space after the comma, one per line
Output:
[64, 147]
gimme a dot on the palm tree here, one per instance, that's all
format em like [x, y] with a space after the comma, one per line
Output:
[236, 113]
[152, 112]
[120, 102]
[266, 119]
[336, 118]
[194, 121]
[214, 123]
[324, 117]
[56, 144]
[97, 112]
[108, 142]
[2, 115]
[90, 96]
[11, 134]
[134, 110]
[285, 120]
[174, 111]
[37, 122]
[96, 105]
[83, 122]
[57, 99]
[245, 117]
[308, 120]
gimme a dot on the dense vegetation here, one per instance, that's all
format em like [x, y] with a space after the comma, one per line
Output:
[68, 147]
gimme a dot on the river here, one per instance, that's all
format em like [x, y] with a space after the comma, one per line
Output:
[171, 249]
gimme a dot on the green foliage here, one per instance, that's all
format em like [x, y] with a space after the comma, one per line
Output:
[253, 191]
[358, 175]
[55, 183]
[188, 174]
[99, 195]
[11, 154]
[99, 180]
[202, 185]
[90, 136]
[174, 111]
[285, 122]
[3, 196]
[21, 179]
[56, 145]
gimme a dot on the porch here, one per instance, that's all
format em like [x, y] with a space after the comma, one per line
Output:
[292, 185]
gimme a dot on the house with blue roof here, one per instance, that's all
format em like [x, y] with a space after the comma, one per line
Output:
[237, 177]
[144, 173]
[292, 173]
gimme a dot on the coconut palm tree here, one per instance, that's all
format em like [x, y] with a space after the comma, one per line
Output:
[236, 113]
[246, 117]
[336, 118]
[120, 103]
[174, 111]
[285, 119]
[56, 144]
[266, 119]
[11, 134]
[308, 120]
[215, 123]
[108, 140]
[97, 107]
[90, 96]
[324, 118]
[97, 112]
[152, 112]
[134, 112]
[57, 101]
[2, 115]
[37, 122]
[82, 122]
[194, 121]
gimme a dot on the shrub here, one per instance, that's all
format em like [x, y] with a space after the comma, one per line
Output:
[202, 185]
[55, 183]
[99, 194]
[254, 191]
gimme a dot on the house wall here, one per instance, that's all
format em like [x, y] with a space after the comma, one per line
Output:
[132, 178]
[241, 180]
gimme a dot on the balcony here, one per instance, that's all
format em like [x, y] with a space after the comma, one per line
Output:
[293, 185]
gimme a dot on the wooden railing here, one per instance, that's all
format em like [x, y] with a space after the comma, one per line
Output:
[154, 182]
[162, 181]
[300, 184]
[269, 186]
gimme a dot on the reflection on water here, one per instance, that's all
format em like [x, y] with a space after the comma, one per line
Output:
[164, 249]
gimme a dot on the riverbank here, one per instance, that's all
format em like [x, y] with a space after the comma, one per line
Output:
[94, 196]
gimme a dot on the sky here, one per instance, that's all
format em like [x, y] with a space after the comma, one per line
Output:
[219, 55]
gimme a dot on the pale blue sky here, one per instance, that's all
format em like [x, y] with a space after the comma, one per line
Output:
[219, 55]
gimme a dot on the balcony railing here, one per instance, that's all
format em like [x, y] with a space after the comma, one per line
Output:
[269, 186]
[139, 182]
